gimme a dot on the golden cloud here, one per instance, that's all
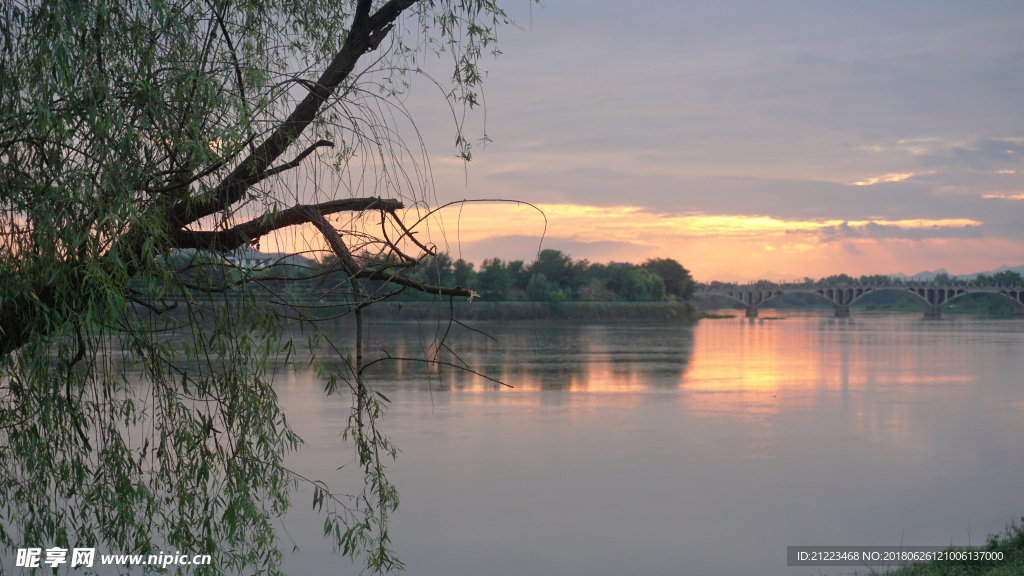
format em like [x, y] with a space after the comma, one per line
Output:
[711, 245]
[891, 177]
[636, 225]
[1004, 196]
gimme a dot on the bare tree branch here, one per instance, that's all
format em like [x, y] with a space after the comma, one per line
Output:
[422, 287]
[298, 159]
[246, 233]
[365, 35]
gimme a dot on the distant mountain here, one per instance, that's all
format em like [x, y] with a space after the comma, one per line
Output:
[776, 276]
[930, 275]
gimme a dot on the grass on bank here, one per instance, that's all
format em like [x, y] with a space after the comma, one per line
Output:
[1011, 544]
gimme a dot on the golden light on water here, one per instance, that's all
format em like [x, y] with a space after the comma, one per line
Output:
[731, 367]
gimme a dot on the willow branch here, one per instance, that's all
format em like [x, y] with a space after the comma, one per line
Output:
[246, 233]
[294, 163]
[354, 271]
[406, 232]
[435, 363]
[314, 217]
[366, 34]
[414, 284]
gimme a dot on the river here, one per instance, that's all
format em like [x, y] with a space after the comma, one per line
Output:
[682, 450]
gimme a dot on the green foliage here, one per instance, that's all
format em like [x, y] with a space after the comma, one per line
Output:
[983, 304]
[678, 281]
[463, 273]
[635, 284]
[520, 275]
[436, 270]
[136, 407]
[557, 267]
[1010, 546]
[540, 289]
[836, 279]
[494, 280]
[877, 279]
[889, 301]
[1004, 278]
[648, 286]
[556, 277]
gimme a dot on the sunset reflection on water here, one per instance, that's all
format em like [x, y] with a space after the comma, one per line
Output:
[531, 357]
[733, 364]
[647, 449]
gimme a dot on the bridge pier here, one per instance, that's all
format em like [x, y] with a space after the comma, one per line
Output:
[932, 296]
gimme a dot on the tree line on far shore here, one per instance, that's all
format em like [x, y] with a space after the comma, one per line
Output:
[555, 277]
[1004, 278]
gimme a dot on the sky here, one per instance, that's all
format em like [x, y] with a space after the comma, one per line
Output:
[747, 140]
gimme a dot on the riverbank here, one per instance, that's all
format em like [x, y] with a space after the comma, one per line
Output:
[646, 312]
[1010, 545]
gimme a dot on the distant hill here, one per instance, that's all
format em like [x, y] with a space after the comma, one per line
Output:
[930, 275]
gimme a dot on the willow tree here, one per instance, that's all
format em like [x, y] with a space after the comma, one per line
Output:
[141, 143]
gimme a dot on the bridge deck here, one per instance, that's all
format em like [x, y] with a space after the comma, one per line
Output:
[931, 296]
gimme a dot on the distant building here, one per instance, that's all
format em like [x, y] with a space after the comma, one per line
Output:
[248, 263]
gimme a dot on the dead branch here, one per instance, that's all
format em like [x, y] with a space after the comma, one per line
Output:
[365, 35]
[249, 232]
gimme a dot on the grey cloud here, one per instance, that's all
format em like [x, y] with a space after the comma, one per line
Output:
[852, 249]
[987, 154]
[881, 231]
[586, 185]
[755, 79]
[730, 108]
[520, 247]
[779, 198]
[923, 197]
[887, 232]
[833, 233]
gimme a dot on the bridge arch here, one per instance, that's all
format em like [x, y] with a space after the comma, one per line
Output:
[935, 297]
[932, 296]
[1016, 298]
[1014, 295]
[749, 299]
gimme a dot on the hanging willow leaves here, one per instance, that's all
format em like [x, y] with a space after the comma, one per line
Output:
[142, 146]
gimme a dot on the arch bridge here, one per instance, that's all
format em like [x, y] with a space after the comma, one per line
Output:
[932, 296]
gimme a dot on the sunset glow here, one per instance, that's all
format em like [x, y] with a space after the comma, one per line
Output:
[886, 178]
[738, 170]
[1004, 196]
[635, 224]
[713, 246]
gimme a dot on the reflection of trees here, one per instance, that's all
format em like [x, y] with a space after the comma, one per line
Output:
[544, 356]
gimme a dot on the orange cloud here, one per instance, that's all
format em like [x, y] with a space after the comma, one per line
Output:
[713, 246]
[636, 225]
[891, 177]
[1004, 196]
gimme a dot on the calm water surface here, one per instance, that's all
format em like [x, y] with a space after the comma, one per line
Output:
[674, 450]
